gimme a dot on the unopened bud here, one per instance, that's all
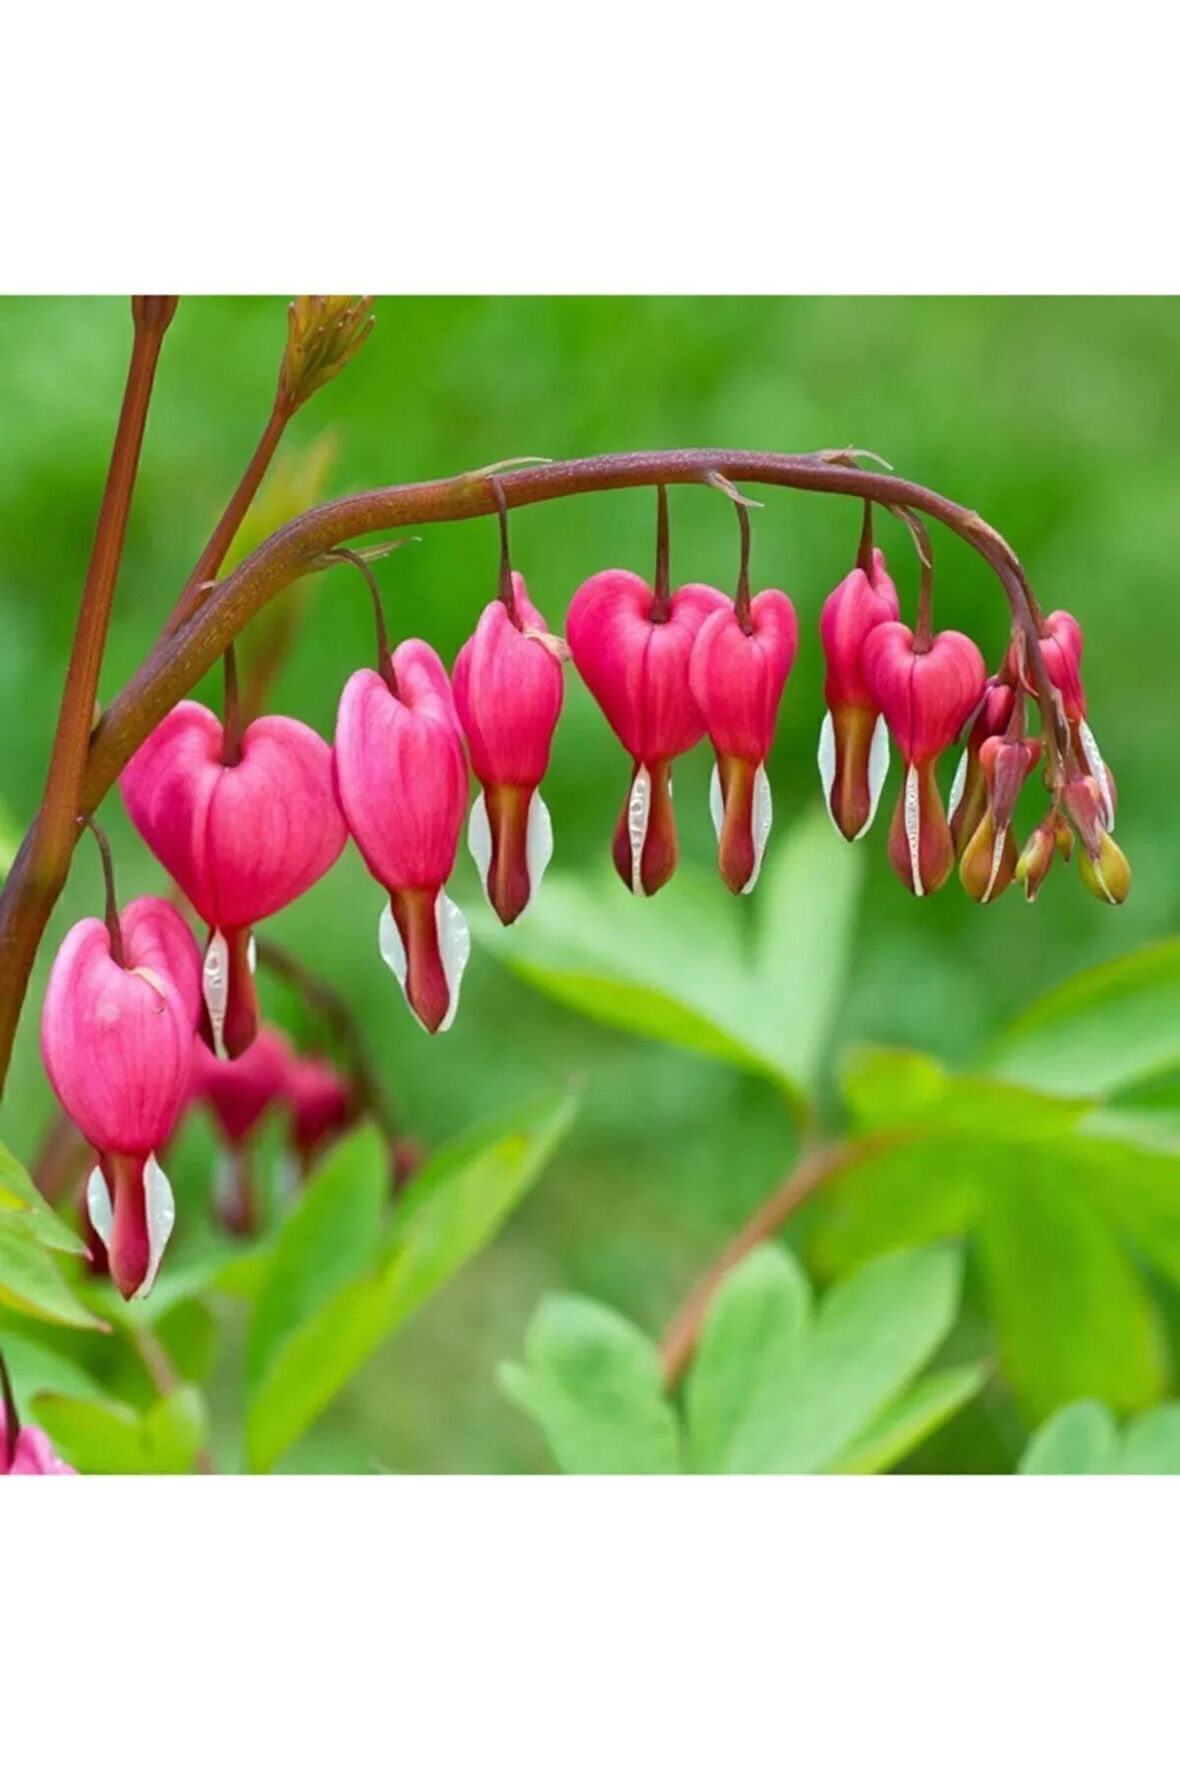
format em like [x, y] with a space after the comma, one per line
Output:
[1036, 857]
[1109, 875]
[324, 333]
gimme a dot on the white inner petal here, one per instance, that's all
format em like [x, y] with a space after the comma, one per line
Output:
[761, 815]
[160, 1209]
[98, 1206]
[827, 764]
[716, 802]
[878, 769]
[252, 955]
[638, 814]
[479, 839]
[997, 857]
[1098, 769]
[538, 844]
[215, 987]
[389, 940]
[454, 943]
[913, 828]
[957, 785]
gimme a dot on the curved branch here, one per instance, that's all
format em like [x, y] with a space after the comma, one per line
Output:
[181, 659]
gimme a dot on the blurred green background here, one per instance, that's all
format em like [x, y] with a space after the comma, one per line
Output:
[1053, 418]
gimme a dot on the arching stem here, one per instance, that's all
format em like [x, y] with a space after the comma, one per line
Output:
[111, 911]
[384, 656]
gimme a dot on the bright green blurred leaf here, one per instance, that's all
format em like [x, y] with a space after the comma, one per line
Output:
[888, 1088]
[903, 1196]
[906, 1422]
[752, 1327]
[33, 1367]
[30, 1282]
[1074, 1317]
[807, 900]
[1151, 1444]
[869, 1337]
[1080, 1439]
[106, 1438]
[593, 1384]
[329, 1238]
[453, 1208]
[17, 1193]
[1105, 1028]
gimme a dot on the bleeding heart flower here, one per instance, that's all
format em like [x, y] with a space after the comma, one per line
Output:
[241, 841]
[926, 696]
[508, 693]
[737, 673]
[968, 796]
[323, 1105]
[854, 738]
[1051, 836]
[117, 1041]
[989, 860]
[238, 1093]
[1061, 643]
[632, 650]
[401, 778]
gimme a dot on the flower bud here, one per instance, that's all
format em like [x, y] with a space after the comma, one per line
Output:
[632, 650]
[854, 739]
[1051, 836]
[401, 778]
[242, 841]
[508, 692]
[1108, 875]
[1061, 645]
[238, 1093]
[968, 795]
[25, 1450]
[117, 1042]
[323, 1106]
[925, 696]
[989, 860]
[737, 675]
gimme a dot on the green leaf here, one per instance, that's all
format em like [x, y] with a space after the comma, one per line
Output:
[900, 1196]
[106, 1438]
[455, 1205]
[1080, 1439]
[30, 1282]
[1105, 1028]
[906, 1422]
[903, 1089]
[753, 1324]
[593, 1383]
[1074, 1317]
[682, 974]
[807, 901]
[869, 1337]
[33, 1367]
[329, 1238]
[1151, 1444]
[18, 1193]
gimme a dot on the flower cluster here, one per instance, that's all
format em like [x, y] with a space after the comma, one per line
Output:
[244, 826]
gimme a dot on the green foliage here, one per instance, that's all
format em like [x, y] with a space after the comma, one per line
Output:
[593, 1384]
[31, 1233]
[776, 1387]
[681, 971]
[109, 1438]
[304, 1351]
[1083, 1439]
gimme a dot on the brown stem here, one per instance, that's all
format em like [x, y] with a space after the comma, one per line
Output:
[816, 1165]
[159, 1367]
[864, 549]
[45, 854]
[741, 600]
[232, 517]
[506, 594]
[111, 912]
[181, 661]
[231, 712]
[371, 1095]
[660, 611]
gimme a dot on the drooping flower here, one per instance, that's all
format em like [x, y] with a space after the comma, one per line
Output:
[737, 672]
[854, 737]
[323, 1105]
[117, 1042]
[1052, 835]
[926, 696]
[1061, 646]
[241, 840]
[508, 693]
[967, 802]
[401, 778]
[238, 1093]
[632, 650]
[1102, 866]
[989, 860]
